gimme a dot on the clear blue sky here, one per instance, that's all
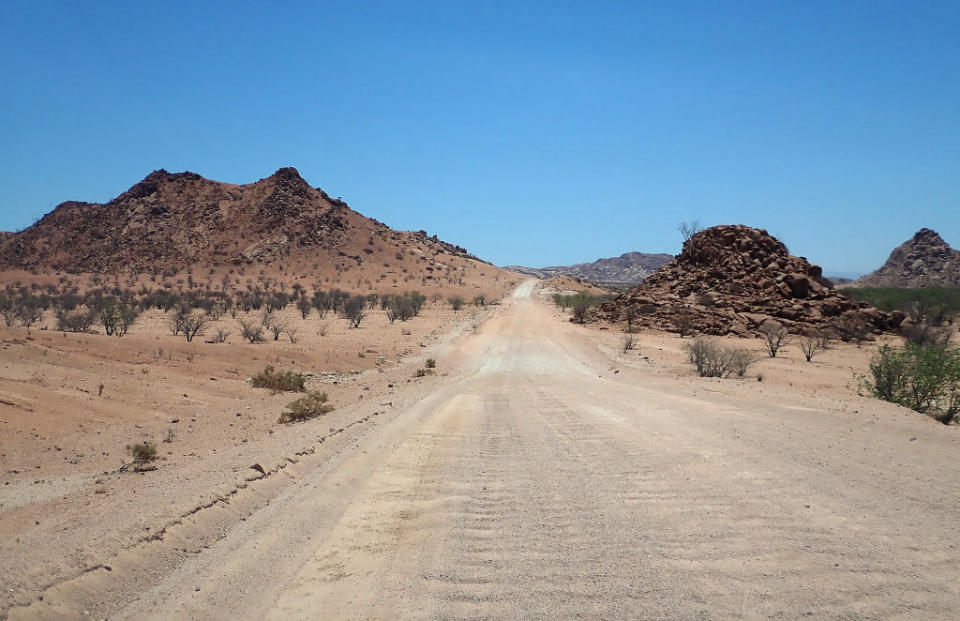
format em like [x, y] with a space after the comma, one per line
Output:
[530, 132]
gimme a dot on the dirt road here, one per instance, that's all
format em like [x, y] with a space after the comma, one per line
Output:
[539, 483]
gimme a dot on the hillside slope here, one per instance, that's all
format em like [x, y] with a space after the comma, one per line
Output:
[172, 220]
[184, 225]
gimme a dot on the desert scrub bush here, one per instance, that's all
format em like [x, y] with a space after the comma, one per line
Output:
[431, 363]
[75, 320]
[851, 329]
[220, 336]
[684, 323]
[423, 372]
[251, 331]
[310, 406]
[925, 379]
[279, 381]
[925, 335]
[713, 360]
[142, 453]
[456, 302]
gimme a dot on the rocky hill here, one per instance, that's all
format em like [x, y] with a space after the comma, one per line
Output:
[924, 260]
[170, 221]
[732, 279]
[628, 269]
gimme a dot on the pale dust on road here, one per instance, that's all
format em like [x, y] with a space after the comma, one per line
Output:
[535, 485]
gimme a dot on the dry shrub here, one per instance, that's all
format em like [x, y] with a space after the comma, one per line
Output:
[713, 360]
[142, 453]
[279, 381]
[312, 405]
[926, 336]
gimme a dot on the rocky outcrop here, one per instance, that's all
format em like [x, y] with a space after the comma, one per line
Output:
[924, 260]
[626, 270]
[734, 279]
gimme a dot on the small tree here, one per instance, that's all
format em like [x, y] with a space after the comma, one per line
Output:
[353, 310]
[456, 302]
[774, 334]
[293, 334]
[689, 229]
[193, 324]
[180, 313]
[580, 307]
[321, 301]
[630, 314]
[810, 345]
[251, 331]
[304, 306]
[277, 328]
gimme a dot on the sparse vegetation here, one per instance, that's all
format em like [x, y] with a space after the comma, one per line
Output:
[312, 405]
[279, 381]
[933, 304]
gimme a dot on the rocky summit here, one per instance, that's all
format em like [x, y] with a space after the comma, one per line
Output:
[924, 260]
[734, 279]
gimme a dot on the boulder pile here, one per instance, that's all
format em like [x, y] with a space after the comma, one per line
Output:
[924, 260]
[734, 279]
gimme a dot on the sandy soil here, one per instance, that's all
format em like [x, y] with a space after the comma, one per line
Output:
[544, 473]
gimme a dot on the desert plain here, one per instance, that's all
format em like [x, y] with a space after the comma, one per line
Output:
[540, 470]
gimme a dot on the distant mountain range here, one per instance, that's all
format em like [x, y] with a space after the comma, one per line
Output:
[626, 270]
